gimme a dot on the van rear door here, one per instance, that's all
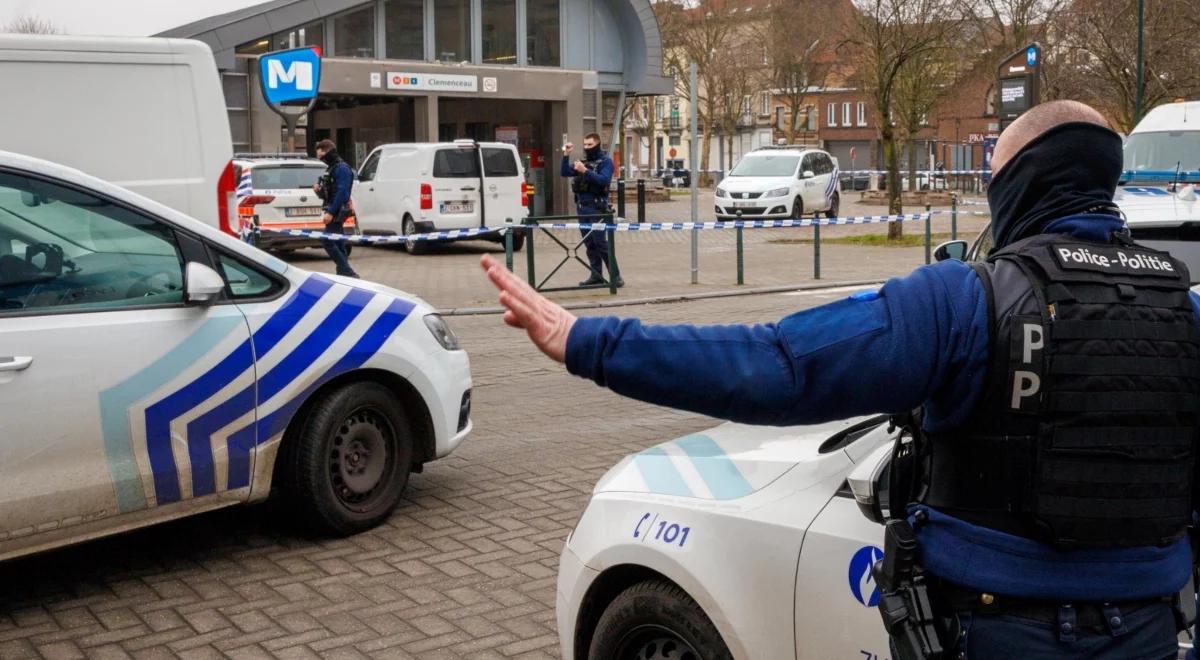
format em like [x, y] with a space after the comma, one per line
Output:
[503, 185]
[456, 195]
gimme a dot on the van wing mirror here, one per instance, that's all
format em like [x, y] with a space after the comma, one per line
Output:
[870, 480]
[203, 285]
[956, 250]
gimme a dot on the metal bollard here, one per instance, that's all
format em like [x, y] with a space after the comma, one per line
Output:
[928, 235]
[641, 200]
[816, 249]
[621, 199]
[954, 217]
[508, 245]
[530, 232]
[741, 279]
[614, 271]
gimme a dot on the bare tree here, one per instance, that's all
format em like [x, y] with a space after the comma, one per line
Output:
[697, 31]
[921, 84]
[1102, 36]
[1002, 26]
[30, 24]
[797, 39]
[890, 35]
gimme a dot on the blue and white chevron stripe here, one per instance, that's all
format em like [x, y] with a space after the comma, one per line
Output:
[240, 391]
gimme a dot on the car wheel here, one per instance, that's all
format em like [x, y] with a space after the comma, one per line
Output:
[345, 464]
[797, 209]
[518, 241]
[835, 205]
[656, 620]
[409, 227]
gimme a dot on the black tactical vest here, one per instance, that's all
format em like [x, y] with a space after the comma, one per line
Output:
[581, 185]
[1086, 433]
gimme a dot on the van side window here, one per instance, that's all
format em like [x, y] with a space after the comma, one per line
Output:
[367, 173]
[499, 162]
[455, 164]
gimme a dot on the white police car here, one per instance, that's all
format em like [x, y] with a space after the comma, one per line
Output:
[740, 541]
[780, 182]
[152, 367]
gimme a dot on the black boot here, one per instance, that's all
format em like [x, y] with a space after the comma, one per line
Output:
[592, 281]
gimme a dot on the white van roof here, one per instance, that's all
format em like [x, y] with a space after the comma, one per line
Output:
[1170, 117]
[90, 44]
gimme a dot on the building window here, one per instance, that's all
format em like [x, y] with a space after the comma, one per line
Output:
[354, 33]
[660, 108]
[674, 141]
[500, 31]
[766, 56]
[404, 26]
[862, 113]
[452, 30]
[541, 22]
[831, 115]
[311, 35]
[845, 114]
[764, 104]
[810, 117]
[989, 104]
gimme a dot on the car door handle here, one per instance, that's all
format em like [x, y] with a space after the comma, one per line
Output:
[17, 363]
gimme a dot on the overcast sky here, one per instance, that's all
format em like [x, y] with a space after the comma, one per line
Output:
[118, 17]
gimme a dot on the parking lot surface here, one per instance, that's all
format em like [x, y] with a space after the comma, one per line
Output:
[465, 568]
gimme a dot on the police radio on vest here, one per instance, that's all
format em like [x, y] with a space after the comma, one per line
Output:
[1134, 261]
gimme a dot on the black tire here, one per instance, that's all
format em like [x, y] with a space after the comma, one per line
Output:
[409, 227]
[835, 205]
[518, 241]
[797, 209]
[345, 464]
[656, 620]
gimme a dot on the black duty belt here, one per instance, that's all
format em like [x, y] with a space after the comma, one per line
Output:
[1087, 615]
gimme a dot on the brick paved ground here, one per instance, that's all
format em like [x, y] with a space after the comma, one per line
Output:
[465, 568]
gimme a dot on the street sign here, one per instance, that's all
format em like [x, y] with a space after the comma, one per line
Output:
[673, 152]
[290, 75]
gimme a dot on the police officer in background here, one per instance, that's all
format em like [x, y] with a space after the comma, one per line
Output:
[334, 188]
[1059, 383]
[590, 180]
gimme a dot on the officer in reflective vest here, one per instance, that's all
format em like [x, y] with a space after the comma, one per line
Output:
[590, 180]
[1059, 385]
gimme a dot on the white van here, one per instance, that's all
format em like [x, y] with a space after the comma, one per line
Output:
[413, 188]
[144, 114]
[1164, 147]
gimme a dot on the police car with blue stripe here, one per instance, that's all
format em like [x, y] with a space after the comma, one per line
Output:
[152, 367]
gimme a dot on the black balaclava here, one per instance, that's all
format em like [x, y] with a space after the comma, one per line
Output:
[595, 153]
[1070, 169]
[331, 157]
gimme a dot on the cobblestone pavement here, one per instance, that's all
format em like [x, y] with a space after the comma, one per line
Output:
[465, 568]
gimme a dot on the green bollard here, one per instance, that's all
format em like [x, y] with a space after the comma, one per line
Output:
[614, 273]
[741, 278]
[928, 235]
[530, 232]
[816, 248]
[508, 246]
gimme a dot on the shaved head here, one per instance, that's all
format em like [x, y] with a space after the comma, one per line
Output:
[1037, 121]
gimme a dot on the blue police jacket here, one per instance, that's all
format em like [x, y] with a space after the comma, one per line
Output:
[601, 176]
[921, 339]
[343, 180]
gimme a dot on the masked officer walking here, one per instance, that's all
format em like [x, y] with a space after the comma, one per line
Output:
[1060, 384]
[334, 188]
[590, 180]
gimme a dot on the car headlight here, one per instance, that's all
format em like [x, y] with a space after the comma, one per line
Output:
[778, 192]
[441, 332]
[721, 192]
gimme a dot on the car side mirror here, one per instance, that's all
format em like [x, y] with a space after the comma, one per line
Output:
[869, 481]
[807, 174]
[203, 285]
[956, 250]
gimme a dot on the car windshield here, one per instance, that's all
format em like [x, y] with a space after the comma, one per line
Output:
[285, 177]
[776, 165]
[1163, 151]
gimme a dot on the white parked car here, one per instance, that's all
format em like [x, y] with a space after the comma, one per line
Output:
[275, 191]
[152, 367]
[405, 189]
[780, 182]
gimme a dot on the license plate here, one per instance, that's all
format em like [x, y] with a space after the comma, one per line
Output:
[457, 207]
[744, 205]
[302, 211]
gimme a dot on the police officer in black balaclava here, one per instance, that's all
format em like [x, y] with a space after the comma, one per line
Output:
[590, 180]
[1059, 388]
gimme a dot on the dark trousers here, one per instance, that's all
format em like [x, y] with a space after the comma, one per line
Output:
[1147, 633]
[596, 242]
[337, 249]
